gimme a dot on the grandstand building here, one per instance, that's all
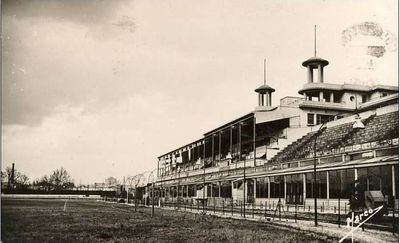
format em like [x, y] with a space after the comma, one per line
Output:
[267, 155]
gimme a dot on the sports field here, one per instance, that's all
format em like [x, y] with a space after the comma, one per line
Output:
[44, 220]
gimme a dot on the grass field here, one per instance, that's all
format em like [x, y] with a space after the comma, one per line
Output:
[44, 220]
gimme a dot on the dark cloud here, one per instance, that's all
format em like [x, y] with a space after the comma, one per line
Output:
[39, 72]
[82, 11]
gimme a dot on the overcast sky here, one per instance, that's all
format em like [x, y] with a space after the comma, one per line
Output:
[104, 87]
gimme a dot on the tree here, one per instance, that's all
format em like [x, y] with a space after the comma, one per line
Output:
[61, 180]
[21, 180]
[43, 183]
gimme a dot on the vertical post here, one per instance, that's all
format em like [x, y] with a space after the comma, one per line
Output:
[152, 200]
[223, 207]
[212, 148]
[340, 195]
[232, 206]
[254, 140]
[393, 217]
[244, 170]
[219, 146]
[135, 197]
[265, 209]
[315, 179]
[230, 141]
[204, 172]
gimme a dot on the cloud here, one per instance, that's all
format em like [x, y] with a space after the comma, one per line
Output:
[87, 12]
[51, 57]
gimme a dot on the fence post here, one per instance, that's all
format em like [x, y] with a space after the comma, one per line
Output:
[232, 206]
[214, 206]
[363, 225]
[135, 204]
[279, 205]
[393, 217]
[339, 213]
[265, 209]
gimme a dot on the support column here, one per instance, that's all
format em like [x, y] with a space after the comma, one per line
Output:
[267, 95]
[255, 189]
[284, 187]
[219, 189]
[327, 185]
[240, 141]
[321, 96]
[262, 100]
[212, 148]
[269, 187]
[320, 76]
[393, 182]
[230, 142]
[270, 99]
[219, 145]
[332, 97]
[355, 174]
[254, 140]
[304, 187]
[310, 75]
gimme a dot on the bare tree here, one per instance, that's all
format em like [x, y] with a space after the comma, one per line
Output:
[21, 180]
[61, 180]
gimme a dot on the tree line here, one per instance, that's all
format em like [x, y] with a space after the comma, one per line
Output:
[58, 180]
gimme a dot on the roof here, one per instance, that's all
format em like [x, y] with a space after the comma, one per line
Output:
[264, 88]
[315, 61]
[346, 87]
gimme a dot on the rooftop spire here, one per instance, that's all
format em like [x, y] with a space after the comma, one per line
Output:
[315, 40]
[265, 75]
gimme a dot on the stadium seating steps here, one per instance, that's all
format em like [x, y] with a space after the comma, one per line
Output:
[331, 139]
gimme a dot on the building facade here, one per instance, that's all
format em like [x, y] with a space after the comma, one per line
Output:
[268, 154]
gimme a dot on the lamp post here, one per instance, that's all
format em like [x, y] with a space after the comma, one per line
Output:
[315, 174]
[152, 191]
[179, 173]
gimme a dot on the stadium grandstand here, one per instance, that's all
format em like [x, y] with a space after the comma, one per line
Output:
[348, 132]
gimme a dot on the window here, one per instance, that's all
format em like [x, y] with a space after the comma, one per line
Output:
[262, 188]
[226, 189]
[277, 186]
[364, 98]
[320, 187]
[310, 118]
[341, 183]
[378, 178]
[324, 118]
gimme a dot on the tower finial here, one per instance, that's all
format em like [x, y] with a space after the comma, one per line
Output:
[265, 75]
[315, 40]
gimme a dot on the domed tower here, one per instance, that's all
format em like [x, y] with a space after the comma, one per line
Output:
[315, 89]
[264, 94]
[315, 63]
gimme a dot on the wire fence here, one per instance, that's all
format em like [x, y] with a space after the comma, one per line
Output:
[387, 220]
